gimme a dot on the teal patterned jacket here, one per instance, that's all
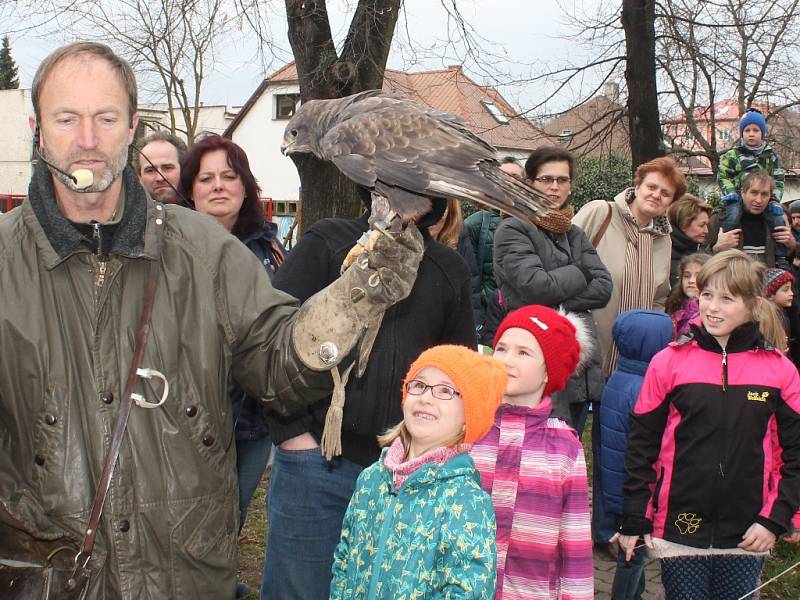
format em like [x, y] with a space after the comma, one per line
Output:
[434, 538]
[740, 160]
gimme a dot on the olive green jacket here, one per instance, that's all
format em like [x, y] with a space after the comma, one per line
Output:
[67, 326]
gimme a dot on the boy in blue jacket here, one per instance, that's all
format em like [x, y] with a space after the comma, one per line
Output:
[639, 335]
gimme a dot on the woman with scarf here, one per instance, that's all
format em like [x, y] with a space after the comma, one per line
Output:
[632, 237]
[551, 262]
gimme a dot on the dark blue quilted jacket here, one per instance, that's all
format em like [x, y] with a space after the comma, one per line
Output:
[640, 335]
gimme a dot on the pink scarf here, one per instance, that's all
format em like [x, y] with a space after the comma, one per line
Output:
[401, 469]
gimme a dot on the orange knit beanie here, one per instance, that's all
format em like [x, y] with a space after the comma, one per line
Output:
[480, 380]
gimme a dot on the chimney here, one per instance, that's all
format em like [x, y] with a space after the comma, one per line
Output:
[611, 91]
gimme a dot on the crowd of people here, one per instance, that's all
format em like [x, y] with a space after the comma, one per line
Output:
[461, 472]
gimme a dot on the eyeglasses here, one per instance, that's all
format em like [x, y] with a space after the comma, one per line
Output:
[415, 387]
[548, 180]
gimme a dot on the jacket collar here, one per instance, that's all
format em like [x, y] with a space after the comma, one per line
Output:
[745, 337]
[57, 238]
[534, 416]
[682, 243]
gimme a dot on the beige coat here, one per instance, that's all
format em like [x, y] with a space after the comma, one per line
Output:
[611, 249]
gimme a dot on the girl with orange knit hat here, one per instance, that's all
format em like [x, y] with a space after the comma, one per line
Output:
[419, 524]
[532, 465]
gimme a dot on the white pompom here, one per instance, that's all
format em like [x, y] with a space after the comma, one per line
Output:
[582, 334]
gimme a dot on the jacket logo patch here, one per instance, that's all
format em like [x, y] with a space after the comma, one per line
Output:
[688, 523]
[756, 397]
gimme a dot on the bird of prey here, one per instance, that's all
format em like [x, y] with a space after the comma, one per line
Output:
[405, 155]
[408, 154]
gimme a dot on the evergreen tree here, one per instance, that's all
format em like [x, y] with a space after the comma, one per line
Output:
[8, 68]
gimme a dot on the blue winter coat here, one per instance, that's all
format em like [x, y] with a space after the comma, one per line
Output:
[640, 335]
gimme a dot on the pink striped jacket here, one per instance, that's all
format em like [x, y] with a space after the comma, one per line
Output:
[534, 470]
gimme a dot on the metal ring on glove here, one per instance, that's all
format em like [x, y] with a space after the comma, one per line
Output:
[374, 280]
[149, 374]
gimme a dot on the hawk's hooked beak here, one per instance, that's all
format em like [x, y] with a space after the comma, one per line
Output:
[284, 147]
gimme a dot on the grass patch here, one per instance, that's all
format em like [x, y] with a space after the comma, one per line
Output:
[252, 540]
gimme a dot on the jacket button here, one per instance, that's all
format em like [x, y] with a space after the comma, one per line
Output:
[191, 411]
[124, 525]
[107, 397]
[51, 419]
[208, 439]
[39, 460]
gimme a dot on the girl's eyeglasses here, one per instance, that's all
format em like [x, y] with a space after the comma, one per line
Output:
[415, 387]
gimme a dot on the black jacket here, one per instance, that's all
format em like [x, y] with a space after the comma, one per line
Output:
[438, 311]
[682, 245]
[714, 444]
[534, 266]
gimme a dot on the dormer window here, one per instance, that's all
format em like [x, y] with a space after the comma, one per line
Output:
[495, 112]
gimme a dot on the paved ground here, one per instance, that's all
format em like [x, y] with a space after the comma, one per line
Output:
[604, 577]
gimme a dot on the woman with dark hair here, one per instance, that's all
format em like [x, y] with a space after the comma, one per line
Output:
[551, 262]
[217, 181]
[689, 218]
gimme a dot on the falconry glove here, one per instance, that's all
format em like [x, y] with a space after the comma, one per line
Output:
[350, 310]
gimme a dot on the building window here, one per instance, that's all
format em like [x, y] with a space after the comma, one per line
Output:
[286, 105]
[285, 208]
[565, 136]
[724, 135]
[495, 112]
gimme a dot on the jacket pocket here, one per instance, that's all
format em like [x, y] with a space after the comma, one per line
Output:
[204, 549]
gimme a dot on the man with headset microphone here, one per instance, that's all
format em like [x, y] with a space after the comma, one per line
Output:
[74, 260]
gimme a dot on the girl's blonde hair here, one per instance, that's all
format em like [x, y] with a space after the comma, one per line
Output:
[743, 277]
[401, 431]
[676, 295]
[451, 228]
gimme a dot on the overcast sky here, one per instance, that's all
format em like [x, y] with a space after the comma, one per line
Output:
[524, 35]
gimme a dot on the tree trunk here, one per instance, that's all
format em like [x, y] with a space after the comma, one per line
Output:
[324, 74]
[638, 21]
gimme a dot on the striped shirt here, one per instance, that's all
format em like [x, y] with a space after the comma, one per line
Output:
[533, 468]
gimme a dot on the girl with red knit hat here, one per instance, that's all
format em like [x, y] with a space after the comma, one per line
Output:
[419, 524]
[533, 465]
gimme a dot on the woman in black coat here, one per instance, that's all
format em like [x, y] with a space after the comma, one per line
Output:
[551, 262]
[689, 218]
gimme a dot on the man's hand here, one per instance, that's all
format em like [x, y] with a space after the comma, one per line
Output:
[727, 240]
[628, 543]
[757, 538]
[783, 235]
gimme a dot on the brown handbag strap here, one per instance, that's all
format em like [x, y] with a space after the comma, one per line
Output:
[602, 231]
[82, 558]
